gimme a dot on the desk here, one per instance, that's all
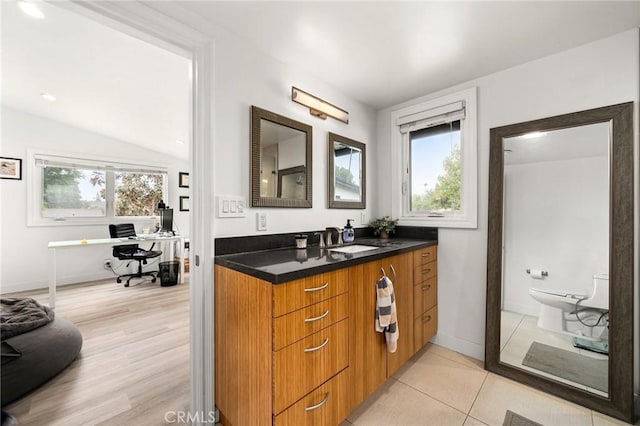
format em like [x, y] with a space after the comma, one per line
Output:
[151, 238]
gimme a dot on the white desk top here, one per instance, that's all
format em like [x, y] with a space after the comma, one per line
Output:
[111, 241]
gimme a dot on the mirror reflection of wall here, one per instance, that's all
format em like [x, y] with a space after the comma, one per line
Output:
[556, 220]
[268, 170]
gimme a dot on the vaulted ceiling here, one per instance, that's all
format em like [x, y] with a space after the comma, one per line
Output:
[380, 53]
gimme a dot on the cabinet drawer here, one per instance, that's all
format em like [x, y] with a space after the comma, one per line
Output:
[297, 294]
[325, 405]
[304, 365]
[425, 255]
[425, 327]
[425, 296]
[421, 273]
[296, 325]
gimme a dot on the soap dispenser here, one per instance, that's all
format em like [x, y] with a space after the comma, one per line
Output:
[348, 234]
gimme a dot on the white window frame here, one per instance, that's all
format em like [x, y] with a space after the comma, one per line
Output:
[425, 114]
[34, 196]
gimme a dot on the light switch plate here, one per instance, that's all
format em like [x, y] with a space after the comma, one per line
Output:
[261, 221]
[231, 206]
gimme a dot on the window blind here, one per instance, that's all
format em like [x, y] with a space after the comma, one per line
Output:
[42, 160]
[431, 117]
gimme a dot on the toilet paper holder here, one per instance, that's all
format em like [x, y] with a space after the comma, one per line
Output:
[543, 273]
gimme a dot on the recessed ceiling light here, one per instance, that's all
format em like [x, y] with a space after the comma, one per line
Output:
[31, 9]
[48, 97]
[179, 142]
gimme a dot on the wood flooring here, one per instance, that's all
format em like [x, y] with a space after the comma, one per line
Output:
[134, 365]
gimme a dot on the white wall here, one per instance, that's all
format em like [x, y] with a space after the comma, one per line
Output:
[557, 220]
[597, 74]
[25, 258]
[245, 77]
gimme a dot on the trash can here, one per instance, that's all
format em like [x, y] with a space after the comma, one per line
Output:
[169, 272]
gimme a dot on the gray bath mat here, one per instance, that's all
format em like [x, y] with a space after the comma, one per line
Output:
[578, 368]
[513, 419]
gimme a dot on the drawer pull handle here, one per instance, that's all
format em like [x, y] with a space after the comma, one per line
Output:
[326, 341]
[426, 254]
[426, 287]
[427, 319]
[395, 276]
[322, 287]
[318, 405]
[317, 318]
[426, 271]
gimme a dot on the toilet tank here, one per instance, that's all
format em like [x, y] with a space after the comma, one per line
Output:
[600, 298]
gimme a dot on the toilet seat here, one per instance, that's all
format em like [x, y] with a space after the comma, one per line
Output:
[560, 293]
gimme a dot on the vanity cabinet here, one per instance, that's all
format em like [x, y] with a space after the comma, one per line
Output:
[306, 352]
[280, 349]
[425, 295]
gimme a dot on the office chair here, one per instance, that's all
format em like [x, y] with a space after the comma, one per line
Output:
[132, 251]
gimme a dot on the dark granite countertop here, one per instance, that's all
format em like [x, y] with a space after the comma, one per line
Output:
[286, 264]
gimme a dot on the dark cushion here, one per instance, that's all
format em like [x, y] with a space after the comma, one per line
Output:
[44, 352]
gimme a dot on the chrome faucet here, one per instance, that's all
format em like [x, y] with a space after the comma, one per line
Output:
[330, 237]
[321, 242]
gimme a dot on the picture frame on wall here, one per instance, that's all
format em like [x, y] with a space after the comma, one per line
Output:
[184, 203]
[10, 168]
[183, 179]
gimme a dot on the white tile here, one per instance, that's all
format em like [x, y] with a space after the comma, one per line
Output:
[454, 383]
[499, 395]
[395, 403]
[509, 321]
[473, 422]
[453, 356]
[600, 419]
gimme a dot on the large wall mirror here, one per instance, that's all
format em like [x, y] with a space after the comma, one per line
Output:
[280, 161]
[347, 173]
[560, 257]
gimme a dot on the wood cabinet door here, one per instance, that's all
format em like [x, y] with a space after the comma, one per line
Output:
[400, 270]
[367, 348]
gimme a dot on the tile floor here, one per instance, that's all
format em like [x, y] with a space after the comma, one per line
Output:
[440, 387]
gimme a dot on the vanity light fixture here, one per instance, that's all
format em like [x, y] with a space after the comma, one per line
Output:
[317, 106]
[48, 97]
[31, 9]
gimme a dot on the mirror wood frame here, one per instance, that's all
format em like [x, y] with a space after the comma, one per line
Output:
[258, 114]
[619, 402]
[332, 202]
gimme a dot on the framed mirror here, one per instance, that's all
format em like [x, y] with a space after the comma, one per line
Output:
[280, 161]
[347, 173]
[560, 257]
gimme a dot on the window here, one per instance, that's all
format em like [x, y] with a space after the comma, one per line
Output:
[436, 172]
[67, 190]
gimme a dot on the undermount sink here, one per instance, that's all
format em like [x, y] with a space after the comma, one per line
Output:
[354, 248]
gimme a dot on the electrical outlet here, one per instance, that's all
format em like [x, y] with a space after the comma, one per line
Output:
[261, 219]
[107, 264]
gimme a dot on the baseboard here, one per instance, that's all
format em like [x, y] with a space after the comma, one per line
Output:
[520, 308]
[61, 281]
[464, 347]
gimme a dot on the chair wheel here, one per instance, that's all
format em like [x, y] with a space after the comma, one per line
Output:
[153, 280]
[118, 280]
[126, 285]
